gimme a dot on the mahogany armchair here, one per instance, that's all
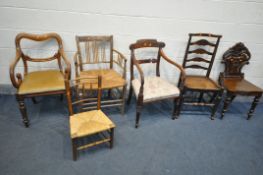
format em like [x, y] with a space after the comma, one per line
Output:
[233, 81]
[42, 82]
[149, 89]
[96, 56]
[87, 127]
[199, 55]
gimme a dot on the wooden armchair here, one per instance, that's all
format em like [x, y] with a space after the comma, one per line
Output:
[38, 83]
[150, 89]
[232, 79]
[199, 55]
[110, 64]
[94, 124]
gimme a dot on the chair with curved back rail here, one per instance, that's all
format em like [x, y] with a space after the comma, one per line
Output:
[87, 127]
[199, 55]
[232, 79]
[42, 82]
[151, 88]
[96, 56]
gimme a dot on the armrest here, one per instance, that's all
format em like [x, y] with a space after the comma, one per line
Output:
[67, 71]
[182, 76]
[137, 65]
[121, 62]
[16, 83]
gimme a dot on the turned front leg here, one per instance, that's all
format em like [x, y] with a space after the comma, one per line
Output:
[253, 106]
[226, 104]
[22, 108]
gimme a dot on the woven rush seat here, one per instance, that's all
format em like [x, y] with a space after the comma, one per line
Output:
[155, 88]
[42, 81]
[110, 78]
[88, 123]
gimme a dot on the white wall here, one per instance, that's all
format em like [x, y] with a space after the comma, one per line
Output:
[167, 20]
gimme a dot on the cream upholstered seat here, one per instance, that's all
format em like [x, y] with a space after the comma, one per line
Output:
[110, 78]
[88, 123]
[42, 81]
[155, 88]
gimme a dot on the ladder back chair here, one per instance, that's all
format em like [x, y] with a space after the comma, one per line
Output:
[96, 56]
[200, 55]
[41, 82]
[233, 81]
[87, 127]
[149, 89]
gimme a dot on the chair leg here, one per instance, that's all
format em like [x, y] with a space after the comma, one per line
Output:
[253, 106]
[200, 97]
[34, 100]
[129, 96]
[181, 101]
[109, 93]
[22, 108]
[61, 97]
[216, 104]
[176, 101]
[74, 149]
[123, 100]
[138, 111]
[226, 104]
[111, 137]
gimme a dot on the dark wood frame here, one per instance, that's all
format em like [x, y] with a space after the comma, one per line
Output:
[82, 101]
[234, 59]
[217, 93]
[146, 43]
[120, 62]
[16, 79]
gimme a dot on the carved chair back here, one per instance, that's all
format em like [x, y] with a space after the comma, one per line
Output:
[94, 50]
[82, 91]
[234, 59]
[146, 43]
[201, 51]
[39, 37]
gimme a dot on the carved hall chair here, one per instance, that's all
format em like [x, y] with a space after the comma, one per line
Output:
[232, 79]
[40, 82]
[151, 88]
[199, 58]
[87, 127]
[95, 56]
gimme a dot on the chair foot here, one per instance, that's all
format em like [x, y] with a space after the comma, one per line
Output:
[129, 96]
[226, 104]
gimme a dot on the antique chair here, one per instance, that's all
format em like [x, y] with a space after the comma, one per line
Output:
[232, 79]
[151, 88]
[96, 56]
[42, 82]
[94, 124]
[199, 55]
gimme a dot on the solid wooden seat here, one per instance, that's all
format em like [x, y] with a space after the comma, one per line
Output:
[110, 78]
[233, 81]
[88, 123]
[237, 85]
[200, 83]
[42, 81]
[36, 83]
[155, 88]
[149, 89]
[200, 55]
[85, 124]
